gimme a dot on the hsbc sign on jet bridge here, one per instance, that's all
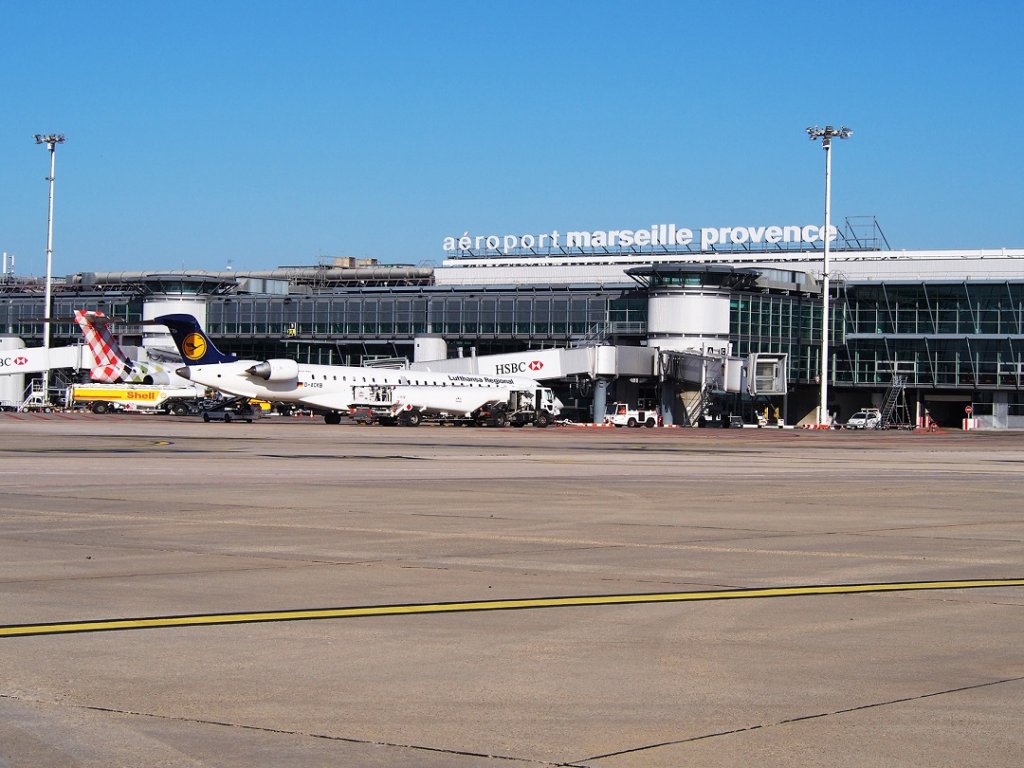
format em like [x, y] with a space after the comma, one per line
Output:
[547, 364]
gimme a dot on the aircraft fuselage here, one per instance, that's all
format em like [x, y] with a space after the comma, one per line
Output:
[331, 387]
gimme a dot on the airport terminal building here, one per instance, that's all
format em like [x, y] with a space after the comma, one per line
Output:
[946, 326]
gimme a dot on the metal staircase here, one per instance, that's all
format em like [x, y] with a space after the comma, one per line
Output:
[35, 397]
[695, 407]
[894, 411]
[596, 334]
[607, 332]
[39, 398]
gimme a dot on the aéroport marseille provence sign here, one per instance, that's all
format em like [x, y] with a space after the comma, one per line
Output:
[667, 235]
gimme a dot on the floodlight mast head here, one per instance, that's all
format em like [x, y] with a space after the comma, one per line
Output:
[828, 133]
[50, 140]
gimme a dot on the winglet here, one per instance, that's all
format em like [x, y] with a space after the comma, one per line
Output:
[193, 344]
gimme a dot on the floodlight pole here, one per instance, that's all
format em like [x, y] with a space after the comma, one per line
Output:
[51, 141]
[826, 135]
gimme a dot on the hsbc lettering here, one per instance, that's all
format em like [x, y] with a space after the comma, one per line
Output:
[11, 362]
[505, 369]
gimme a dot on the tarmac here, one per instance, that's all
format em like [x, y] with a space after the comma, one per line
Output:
[174, 593]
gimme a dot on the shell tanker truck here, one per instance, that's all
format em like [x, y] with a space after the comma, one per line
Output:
[103, 398]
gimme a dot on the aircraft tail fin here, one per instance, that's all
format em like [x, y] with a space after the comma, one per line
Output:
[112, 365]
[195, 346]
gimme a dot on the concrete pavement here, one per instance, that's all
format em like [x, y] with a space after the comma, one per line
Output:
[142, 516]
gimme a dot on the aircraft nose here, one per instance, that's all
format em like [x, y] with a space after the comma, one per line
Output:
[184, 372]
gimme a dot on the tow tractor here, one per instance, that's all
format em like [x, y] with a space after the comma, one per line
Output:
[625, 415]
[235, 409]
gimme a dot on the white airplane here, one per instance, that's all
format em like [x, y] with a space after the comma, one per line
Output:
[392, 395]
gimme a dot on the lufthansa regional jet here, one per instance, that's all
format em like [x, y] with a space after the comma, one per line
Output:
[336, 389]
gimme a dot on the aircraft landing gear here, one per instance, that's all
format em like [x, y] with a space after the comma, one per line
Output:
[411, 418]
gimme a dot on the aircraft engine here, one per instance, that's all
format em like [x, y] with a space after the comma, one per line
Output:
[275, 370]
[156, 378]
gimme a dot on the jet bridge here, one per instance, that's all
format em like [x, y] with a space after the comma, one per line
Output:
[677, 375]
[545, 364]
[18, 361]
[590, 368]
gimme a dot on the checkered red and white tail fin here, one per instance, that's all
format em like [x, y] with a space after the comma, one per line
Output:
[111, 363]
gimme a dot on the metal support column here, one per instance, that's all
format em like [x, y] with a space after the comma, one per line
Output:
[600, 400]
[51, 141]
[668, 399]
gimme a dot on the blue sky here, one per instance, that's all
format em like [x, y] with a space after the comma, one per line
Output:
[270, 133]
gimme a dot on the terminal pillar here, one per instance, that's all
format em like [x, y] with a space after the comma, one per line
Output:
[600, 400]
[668, 398]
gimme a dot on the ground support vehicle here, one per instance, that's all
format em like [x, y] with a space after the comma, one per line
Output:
[518, 410]
[235, 409]
[103, 398]
[458, 405]
[625, 415]
[362, 415]
[866, 418]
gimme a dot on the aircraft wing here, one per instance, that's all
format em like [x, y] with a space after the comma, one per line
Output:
[163, 355]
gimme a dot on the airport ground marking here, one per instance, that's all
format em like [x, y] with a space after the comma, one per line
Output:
[507, 604]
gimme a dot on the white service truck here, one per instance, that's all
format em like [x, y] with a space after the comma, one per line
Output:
[410, 405]
[103, 398]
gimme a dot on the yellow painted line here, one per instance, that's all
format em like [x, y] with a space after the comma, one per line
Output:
[197, 620]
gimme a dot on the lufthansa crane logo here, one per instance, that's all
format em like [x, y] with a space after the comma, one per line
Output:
[194, 346]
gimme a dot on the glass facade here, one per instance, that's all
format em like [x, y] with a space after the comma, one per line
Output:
[956, 335]
[338, 327]
[23, 316]
[783, 324]
[964, 335]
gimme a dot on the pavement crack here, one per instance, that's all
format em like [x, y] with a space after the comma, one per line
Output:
[306, 734]
[798, 719]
